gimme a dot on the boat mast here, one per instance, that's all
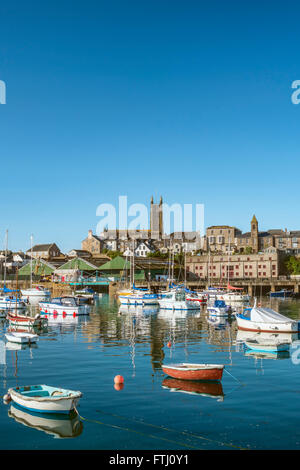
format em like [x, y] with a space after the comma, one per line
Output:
[31, 237]
[184, 268]
[5, 256]
[228, 264]
[208, 267]
[172, 264]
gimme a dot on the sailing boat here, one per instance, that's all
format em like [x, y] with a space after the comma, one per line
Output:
[134, 295]
[8, 299]
[35, 294]
[176, 298]
[18, 319]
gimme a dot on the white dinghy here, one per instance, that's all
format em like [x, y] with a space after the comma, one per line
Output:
[45, 399]
[267, 320]
[21, 338]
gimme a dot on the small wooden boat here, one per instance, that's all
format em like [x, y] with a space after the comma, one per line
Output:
[45, 399]
[22, 338]
[194, 371]
[26, 320]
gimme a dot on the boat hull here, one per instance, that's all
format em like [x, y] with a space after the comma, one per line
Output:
[57, 309]
[178, 305]
[12, 305]
[201, 373]
[24, 320]
[284, 327]
[21, 338]
[128, 300]
[34, 297]
[45, 405]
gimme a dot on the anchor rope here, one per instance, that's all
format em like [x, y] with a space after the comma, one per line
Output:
[233, 377]
[164, 428]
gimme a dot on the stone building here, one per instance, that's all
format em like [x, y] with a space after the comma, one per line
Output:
[221, 238]
[47, 251]
[93, 244]
[268, 264]
[227, 239]
[152, 239]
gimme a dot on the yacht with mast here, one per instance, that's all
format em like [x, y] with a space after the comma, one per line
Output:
[135, 295]
[35, 294]
[9, 298]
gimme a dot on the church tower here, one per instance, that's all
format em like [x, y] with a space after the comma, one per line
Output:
[254, 234]
[156, 219]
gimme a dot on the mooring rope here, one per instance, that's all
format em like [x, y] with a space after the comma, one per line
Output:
[233, 377]
[184, 433]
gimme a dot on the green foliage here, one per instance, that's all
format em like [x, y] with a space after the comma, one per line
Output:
[293, 265]
[112, 254]
[248, 250]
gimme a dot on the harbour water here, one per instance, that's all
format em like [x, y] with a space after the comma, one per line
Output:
[255, 407]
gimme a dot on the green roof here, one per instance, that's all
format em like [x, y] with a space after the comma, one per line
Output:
[39, 268]
[116, 264]
[78, 263]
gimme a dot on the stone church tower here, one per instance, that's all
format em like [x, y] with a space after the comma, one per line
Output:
[156, 219]
[254, 235]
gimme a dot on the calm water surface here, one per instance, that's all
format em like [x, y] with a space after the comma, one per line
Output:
[256, 407]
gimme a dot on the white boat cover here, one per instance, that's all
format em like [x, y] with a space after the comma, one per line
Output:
[267, 315]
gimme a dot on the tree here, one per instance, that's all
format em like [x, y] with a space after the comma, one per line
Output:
[293, 265]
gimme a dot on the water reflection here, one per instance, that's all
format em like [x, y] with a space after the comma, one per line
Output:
[267, 355]
[59, 426]
[195, 387]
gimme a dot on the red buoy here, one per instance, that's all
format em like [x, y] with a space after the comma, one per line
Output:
[74, 314]
[119, 379]
[169, 344]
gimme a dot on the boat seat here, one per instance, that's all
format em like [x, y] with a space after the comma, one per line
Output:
[37, 393]
[57, 393]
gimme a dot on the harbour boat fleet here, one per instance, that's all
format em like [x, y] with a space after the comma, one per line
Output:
[259, 329]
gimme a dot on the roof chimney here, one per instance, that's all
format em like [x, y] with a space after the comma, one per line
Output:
[90, 234]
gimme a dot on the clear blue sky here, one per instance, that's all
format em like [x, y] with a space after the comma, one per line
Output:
[187, 99]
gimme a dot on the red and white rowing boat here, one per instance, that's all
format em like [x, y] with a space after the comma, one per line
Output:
[26, 320]
[194, 371]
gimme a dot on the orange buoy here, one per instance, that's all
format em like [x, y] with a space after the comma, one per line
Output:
[169, 344]
[119, 379]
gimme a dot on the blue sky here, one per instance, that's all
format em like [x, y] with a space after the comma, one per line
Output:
[187, 99]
